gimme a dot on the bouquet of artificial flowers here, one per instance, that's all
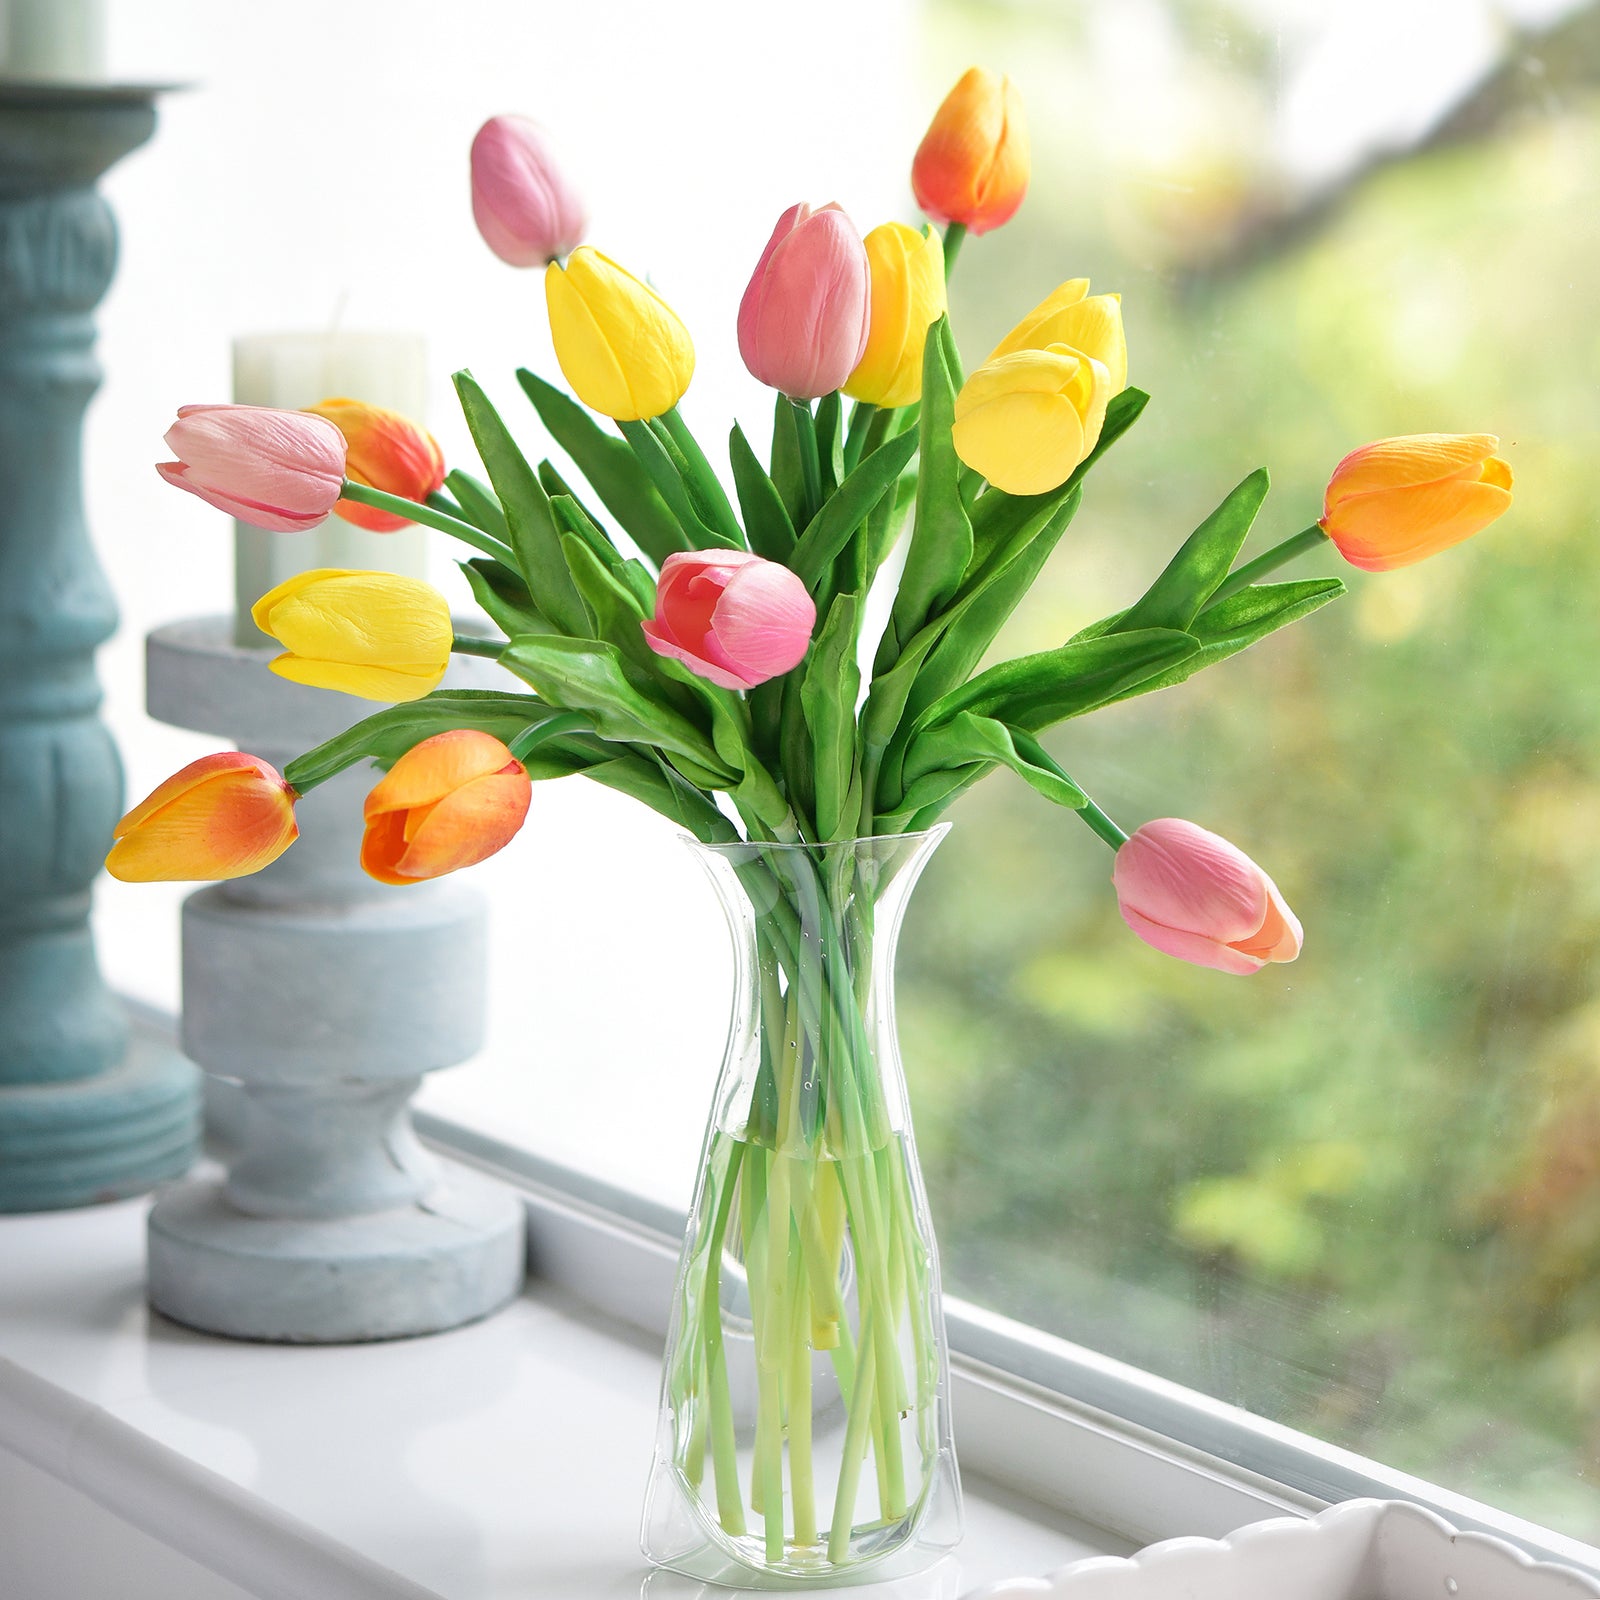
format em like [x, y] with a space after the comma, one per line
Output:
[715, 655]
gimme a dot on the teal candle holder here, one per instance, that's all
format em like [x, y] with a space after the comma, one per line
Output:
[89, 1111]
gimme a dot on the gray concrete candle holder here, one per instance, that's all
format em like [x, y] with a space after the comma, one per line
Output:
[87, 1111]
[317, 998]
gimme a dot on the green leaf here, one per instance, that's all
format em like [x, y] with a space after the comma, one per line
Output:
[844, 511]
[787, 473]
[611, 468]
[478, 504]
[1236, 623]
[613, 605]
[1202, 562]
[830, 441]
[706, 494]
[828, 694]
[527, 508]
[571, 517]
[1035, 691]
[970, 738]
[766, 518]
[941, 534]
[504, 597]
[591, 676]
[663, 472]
[386, 735]
[980, 611]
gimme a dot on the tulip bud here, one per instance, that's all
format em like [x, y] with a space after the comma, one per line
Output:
[803, 318]
[621, 346]
[373, 634]
[907, 297]
[1026, 420]
[1401, 500]
[223, 816]
[1089, 324]
[384, 450]
[279, 470]
[525, 209]
[447, 803]
[972, 164]
[1193, 895]
[730, 616]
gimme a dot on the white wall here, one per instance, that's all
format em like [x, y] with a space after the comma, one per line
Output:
[316, 172]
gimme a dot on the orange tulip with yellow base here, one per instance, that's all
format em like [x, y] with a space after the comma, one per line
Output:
[972, 165]
[1402, 500]
[384, 451]
[223, 816]
[447, 803]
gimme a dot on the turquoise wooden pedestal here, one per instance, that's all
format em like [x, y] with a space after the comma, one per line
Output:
[85, 1114]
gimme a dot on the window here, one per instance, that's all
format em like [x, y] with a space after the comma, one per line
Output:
[1359, 1195]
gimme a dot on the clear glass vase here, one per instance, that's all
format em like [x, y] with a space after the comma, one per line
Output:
[805, 1426]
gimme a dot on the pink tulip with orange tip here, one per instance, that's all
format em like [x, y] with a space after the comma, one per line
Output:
[1191, 894]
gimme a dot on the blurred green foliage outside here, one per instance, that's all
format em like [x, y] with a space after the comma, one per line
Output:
[1360, 1194]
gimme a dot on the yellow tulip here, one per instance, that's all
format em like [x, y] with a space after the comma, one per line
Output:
[908, 297]
[623, 349]
[1025, 420]
[1070, 315]
[372, 634]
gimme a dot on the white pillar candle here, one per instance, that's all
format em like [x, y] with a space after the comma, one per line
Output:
[60, 41]
[294, 370]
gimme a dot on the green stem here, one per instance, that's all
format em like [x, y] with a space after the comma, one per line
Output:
[810, 461]
[1306, 539]
[429, 517]
[953, 237]
[1097, 821]
[862, 415]
[466, 644]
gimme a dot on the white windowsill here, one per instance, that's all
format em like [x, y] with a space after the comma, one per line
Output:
[503, 1460]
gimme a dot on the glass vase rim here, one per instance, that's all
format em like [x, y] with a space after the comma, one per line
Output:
[728, 846]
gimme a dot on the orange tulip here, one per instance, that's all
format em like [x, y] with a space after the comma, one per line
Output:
[386, 451]
[223, 816]
[1401, 500]
[447, 803]
[972, 164]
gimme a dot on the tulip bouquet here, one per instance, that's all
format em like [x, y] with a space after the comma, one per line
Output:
[710, 654]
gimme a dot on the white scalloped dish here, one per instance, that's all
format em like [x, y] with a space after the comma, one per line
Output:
[1359, 1550]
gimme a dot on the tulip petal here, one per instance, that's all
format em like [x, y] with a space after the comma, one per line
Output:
[392, 684]
[466, 826]
[1395, 527]
[1181, 876]
[1195, 948]
[972, 164]
[713, 672]
[432, 769]
[1023, 443]
[764, 621]
[286, 459]
[272, 519]
[1399, 463]
[221, 817]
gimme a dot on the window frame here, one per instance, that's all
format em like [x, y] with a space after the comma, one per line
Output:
[1136, 1455]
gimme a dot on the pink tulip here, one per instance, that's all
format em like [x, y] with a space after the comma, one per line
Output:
[1197, 897]
[804, 318]
[280, 470]
[730, 616]
[524, 206]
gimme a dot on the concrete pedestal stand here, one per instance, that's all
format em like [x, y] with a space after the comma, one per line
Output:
[321, 997]
[86, 1114]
